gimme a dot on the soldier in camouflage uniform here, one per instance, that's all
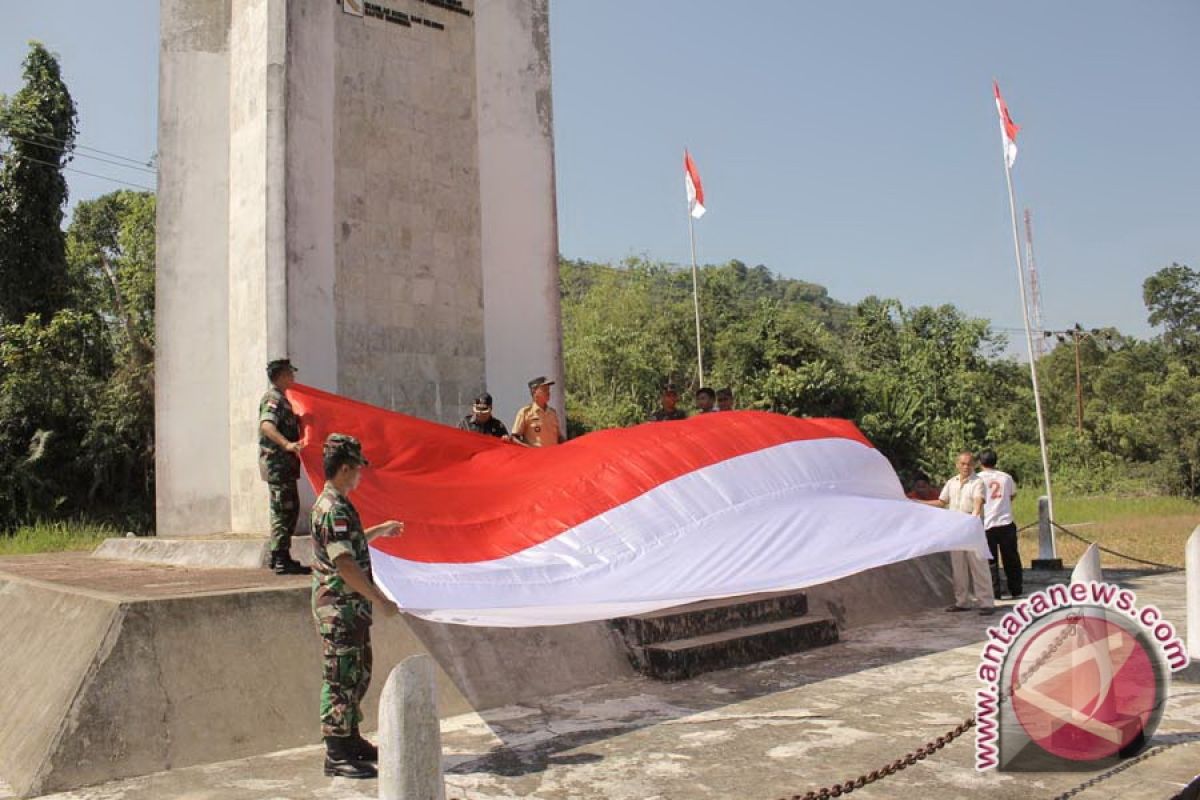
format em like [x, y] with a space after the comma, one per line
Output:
[279, 464]
[342, 600]
[668, 411]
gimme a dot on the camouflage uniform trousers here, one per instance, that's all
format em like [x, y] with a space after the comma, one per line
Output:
[285, 510]
[345, 627]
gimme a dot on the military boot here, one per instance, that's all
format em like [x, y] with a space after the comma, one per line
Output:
[362, 748]
[282, 563]
[341, 761]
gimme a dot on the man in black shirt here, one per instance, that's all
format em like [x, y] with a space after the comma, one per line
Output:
[481, 419]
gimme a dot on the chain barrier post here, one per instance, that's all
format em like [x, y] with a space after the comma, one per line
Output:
[1192, 563]
[1047, 552]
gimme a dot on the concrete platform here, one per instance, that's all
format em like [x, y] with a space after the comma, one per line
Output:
[117, 668]
[764, 731]
[215, 552]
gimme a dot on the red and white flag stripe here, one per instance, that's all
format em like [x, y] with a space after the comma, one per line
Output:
[1008, 128]
[622, 521]
[695, 189]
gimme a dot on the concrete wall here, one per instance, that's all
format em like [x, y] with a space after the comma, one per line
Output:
[406, 198]
[257, 246]
[191, 402]
[128, 687]
[321, 198]
[133, 687]
[517, 201]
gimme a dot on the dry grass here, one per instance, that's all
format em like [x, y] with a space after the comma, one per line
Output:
[1151, 528]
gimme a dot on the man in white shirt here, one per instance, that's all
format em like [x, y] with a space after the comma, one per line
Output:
[964, 493]
[999, 491]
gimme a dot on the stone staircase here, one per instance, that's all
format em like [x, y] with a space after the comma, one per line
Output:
[685, 641]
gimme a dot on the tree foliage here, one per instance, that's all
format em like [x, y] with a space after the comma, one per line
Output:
[76, 326]
[922, 382]
[37, 125]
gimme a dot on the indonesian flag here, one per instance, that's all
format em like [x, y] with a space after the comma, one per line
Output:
[622, 521]
[1008, 128]
[695, 189]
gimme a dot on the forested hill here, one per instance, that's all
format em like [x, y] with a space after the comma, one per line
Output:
[922, 382]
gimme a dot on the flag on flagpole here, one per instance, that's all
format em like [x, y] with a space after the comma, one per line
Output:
[695, 190]
[1008, 128]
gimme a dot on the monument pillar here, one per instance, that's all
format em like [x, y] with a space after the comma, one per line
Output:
[365, 187]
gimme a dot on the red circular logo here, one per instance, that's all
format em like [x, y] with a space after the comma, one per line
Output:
[1085, 687]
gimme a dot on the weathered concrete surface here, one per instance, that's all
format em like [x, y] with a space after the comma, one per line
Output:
[191, 362]
[320, 197]
[123, 668]
[202, 664]
[410, 743]
[518, 214]
[763, 731]
[226, 551]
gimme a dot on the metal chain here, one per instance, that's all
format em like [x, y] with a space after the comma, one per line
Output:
[933, 745]
[1085, 540]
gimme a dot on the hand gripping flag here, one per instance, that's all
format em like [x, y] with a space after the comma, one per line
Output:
[1008, 128]
[695, 189]
[622, 521]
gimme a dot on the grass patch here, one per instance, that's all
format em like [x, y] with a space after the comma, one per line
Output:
[1146, 527]
[50, 537]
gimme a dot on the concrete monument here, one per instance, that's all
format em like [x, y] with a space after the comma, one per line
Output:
[365, 187]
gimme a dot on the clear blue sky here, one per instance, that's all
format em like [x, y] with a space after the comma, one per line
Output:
[852, 145]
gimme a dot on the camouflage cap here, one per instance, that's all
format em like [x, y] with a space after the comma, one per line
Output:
[279, 365]
[346, 446]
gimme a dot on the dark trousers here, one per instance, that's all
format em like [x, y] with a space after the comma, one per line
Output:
[1002, 541]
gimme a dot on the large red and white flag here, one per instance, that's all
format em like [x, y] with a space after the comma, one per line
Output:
[695, 189]
[1008, 128]
[622, 521]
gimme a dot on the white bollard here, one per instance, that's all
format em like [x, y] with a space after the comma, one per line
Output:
[410, 737]
[1047, 557]
[1088, 568]
[1192, 562]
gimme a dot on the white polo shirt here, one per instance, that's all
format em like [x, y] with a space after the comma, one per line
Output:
[960, 495]
[998, 491]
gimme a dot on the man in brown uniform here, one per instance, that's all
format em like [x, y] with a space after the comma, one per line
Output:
[537, 424]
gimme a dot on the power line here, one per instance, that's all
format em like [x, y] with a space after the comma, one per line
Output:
[63, 143]
[84, 172]
[85, 155]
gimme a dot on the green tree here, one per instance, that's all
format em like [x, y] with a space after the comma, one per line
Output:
[37, 125]
[1172, 295]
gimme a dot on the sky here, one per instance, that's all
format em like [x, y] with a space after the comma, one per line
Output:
[851, 145]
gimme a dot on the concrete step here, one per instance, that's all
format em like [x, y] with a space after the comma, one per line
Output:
[685, 658]
[232, 551]
[710, 616]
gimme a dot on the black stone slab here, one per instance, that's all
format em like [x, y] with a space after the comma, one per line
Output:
[710, 616]
[686, 658]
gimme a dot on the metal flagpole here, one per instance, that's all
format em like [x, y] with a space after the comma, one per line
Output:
[1037, 398]
[696, 297]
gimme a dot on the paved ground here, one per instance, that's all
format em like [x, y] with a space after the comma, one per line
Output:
[766, 731]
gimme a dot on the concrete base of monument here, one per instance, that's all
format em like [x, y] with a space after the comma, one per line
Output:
[234, 551]
[116, 668]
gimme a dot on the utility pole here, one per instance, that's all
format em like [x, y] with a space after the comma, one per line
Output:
[1077, 334]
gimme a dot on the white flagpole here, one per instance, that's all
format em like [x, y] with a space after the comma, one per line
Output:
[1037, 398]
[696, 296]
